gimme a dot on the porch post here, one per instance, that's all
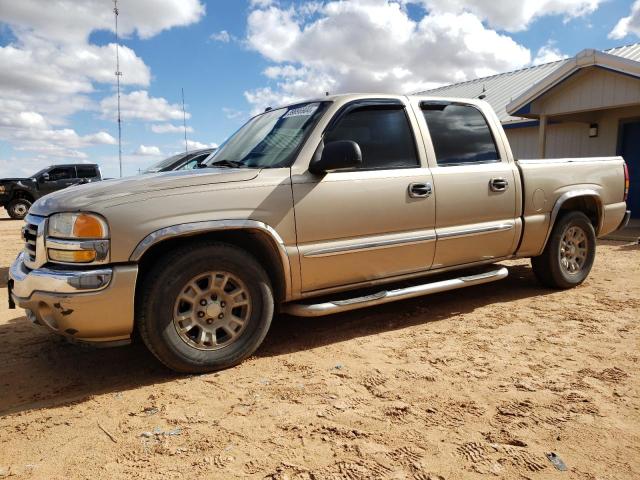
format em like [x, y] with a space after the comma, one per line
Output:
[542, 137]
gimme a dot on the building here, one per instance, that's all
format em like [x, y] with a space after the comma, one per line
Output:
[584, 106]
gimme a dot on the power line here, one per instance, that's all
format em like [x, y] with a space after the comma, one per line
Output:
[184, 122]
[118, 75]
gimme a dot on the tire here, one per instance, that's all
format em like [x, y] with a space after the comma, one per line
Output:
[178, 285]
[18, 208]
[567, 259]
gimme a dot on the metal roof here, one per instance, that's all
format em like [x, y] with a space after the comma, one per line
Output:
[501, 89]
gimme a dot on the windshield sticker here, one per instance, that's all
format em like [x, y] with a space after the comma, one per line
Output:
[304, 111]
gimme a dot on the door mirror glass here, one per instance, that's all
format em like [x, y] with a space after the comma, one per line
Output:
[44, 177]
[338, 155]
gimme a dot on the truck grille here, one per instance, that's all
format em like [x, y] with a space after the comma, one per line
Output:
[30, 235]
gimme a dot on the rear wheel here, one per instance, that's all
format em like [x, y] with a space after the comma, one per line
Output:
[205, 308]
[568, 257]
[18, 208]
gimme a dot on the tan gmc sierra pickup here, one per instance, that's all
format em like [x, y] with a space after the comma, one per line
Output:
[310, 209]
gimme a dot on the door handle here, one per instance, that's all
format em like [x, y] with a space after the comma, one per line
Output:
[420, 190]
[498, 184]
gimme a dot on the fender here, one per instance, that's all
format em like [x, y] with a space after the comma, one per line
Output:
[583, 192]
[187, 229]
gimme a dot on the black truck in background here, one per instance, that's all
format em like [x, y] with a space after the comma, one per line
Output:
[17, 194]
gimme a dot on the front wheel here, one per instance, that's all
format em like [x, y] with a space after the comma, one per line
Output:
[18, 208]
[205, 307]
[568, 257]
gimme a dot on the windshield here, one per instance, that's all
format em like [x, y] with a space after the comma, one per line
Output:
[270, 139]
[156, 167]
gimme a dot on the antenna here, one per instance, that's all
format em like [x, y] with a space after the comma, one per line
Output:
[184, 122]
[118, 75]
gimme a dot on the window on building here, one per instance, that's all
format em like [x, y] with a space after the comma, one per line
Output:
[460, 134]
[383, 134]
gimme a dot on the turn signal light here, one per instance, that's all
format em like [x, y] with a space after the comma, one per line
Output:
[88, 226]
[72, 256]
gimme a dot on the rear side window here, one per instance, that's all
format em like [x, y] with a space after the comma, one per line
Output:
[460, 134]
[87, 172]
[384, 136]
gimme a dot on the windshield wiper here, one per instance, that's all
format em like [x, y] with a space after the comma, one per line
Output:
[226, 163]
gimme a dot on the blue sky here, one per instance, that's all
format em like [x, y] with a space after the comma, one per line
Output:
[235, 57]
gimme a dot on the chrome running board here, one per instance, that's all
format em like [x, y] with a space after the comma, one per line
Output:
[338, 306]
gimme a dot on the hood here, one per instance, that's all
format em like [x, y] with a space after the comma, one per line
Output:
[14, 180]
[82, 197]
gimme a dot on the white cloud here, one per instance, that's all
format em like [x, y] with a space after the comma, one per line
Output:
[169, 128]
[72, 21]
[628, 25]
[138, 105]
[23, 120]
[222, 36]
[371, 45]
[148, 150]
[512, 15]
[56, 143]
[548, 53]
[233, 114]
[195, 145]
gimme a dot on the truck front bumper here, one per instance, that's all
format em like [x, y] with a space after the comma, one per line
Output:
[94, 306]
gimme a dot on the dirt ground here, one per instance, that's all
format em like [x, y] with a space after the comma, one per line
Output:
[478, 383]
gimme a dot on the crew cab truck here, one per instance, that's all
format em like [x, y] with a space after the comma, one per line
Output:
[310, 209]
[17, 194]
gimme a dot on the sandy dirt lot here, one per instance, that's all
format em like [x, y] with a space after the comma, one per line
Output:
[477, 383]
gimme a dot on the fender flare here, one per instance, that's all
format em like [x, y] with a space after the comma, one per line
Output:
[582, 192]
[187, 229]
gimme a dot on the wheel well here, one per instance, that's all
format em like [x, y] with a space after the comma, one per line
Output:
[585, 204]
[17, 194]
[254, 242]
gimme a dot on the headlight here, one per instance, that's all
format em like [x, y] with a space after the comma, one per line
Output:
[77, 238]
[77, 225]
[3, 189]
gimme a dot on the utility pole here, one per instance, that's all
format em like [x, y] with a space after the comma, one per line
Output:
[118, 75]
[184, 122]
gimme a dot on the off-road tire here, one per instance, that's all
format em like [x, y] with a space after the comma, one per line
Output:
[548, 267]
[18, 208]
[165, 281]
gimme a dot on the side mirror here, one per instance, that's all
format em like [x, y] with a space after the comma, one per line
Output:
[338, 155]
[45, 177]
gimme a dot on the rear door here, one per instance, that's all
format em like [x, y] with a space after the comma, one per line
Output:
[474, 183]
[366, 223]
[630, 150]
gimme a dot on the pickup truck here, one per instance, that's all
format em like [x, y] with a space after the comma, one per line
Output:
[17, 194]
[310, 209]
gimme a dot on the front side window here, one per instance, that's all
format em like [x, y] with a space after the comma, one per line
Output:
[383, 134]
[271, 139]
[460, 134]
[61, 173]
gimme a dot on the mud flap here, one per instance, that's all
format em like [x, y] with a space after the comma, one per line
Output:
[12, 304]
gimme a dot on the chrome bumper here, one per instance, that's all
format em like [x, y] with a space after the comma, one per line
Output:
[86, 305]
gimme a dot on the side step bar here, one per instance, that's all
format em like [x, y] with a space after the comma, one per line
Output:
[338, 306]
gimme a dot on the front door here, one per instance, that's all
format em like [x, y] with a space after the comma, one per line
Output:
[366, 224]
[630, 151]
[475, 186]
[58, 178]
